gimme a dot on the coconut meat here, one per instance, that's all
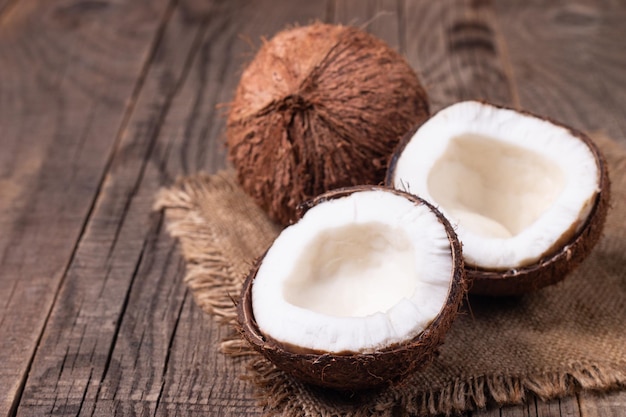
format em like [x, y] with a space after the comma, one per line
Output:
[341, 273]
[515, 185]
[356, 273]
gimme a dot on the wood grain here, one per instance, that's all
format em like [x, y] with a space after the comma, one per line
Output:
[61, 104]
[119, 317]
[199, 376]
[103, 102]
[454, 46]
[572, 77]
[117, 348]
[378, 17]
[610, 404]
[563, 57]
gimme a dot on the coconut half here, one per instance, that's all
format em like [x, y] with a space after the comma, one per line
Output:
[359, 292]
[527, 196]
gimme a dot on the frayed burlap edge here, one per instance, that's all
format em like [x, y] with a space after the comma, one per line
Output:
[216, 284]
[209, 274]
[214, 280]
[456, 397]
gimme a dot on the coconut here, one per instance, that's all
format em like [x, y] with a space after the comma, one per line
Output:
[359, 292]
[528, 196]
[319, 107]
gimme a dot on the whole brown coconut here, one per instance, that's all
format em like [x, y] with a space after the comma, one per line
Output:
[319, 107]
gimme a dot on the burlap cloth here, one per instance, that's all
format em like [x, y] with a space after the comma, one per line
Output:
[559, 340]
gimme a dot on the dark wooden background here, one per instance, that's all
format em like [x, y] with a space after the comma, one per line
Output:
[103, 102]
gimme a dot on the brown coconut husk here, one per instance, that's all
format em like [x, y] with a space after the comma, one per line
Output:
[320, 107]
[564, 256]
[353, 370]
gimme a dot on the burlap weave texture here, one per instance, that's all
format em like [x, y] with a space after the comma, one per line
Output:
[565, 338]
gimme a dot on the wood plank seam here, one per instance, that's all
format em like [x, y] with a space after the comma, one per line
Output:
[127, 115]
[169, 350]
[129, 110]
[150, 236]
[193, 51]
[161, 117]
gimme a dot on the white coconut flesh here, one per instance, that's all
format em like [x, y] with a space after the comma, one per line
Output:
[516, 186]
[356, 273]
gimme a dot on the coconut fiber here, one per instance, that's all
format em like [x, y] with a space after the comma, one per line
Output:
[554, 342]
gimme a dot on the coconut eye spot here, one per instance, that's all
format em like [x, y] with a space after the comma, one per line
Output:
[493, 188]
[354, 271]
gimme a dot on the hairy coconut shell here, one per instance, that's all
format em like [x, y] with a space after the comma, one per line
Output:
[354, 370]
[320, 107]
[564, 257]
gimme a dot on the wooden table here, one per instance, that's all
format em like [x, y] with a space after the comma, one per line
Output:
[104, 102]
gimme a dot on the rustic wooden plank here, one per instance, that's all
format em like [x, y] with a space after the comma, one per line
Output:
[454, 46]
[124, 336]
[551, 408]
[590, 404]
[456, 61]
[568, 407]
[457, 48]
[61, 104]
[568, 60]
[522, 410]
[198, 377]
[610, 404]
[534, 407]
[75, 352]
[135, 381]
[123, 330]
[378, 17]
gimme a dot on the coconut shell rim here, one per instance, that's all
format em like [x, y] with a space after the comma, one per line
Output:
[425, 343]
[524, 279]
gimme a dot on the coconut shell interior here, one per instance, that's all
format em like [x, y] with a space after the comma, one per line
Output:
[554, 266]
[353, 370]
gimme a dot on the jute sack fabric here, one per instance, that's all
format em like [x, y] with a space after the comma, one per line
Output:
[559, 340]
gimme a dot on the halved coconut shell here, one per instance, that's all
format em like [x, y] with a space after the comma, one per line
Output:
[565, 253]
[554, 267]
[352, 370]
